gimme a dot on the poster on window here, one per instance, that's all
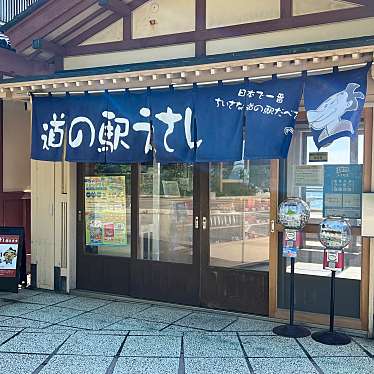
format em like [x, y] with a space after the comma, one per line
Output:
[8, 255]
[105, 211]
[342, 191]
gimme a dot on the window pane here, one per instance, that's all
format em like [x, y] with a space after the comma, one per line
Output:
[343, 151]
[166, 213]
[240, 214]
[312, 283]
[310, 258]
[107, 191]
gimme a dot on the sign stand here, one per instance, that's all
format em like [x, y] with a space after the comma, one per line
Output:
[12, 255]
[331, 337]
[291, 330]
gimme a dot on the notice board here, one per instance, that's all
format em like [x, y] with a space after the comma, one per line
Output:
[342, 191]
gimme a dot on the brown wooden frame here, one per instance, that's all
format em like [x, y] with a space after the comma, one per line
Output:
[53, 14]
[315, 318]
[201, 34]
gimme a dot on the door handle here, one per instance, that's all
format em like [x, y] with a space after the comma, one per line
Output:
[204, 223]
[272, 226]
[196, 222]
[79, 216]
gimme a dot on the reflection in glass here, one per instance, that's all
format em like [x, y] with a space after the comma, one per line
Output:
[342, 151]
[310, 259]
[240, 214]
[166, 213]
[107, 190]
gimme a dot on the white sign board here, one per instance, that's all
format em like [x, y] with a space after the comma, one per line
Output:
[308, 175]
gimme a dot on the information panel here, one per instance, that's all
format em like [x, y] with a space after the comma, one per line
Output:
[105, 207]
[342, 191]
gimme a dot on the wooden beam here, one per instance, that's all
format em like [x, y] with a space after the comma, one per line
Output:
[286, 8]
[14, 64]
[48, 46]
[104, 24]
[224, 32]
[75, 28]
[1, 146]
[116, 6]
[200, 25]
[127, 27]
[40, 24]
[362, 2]
[94, 30]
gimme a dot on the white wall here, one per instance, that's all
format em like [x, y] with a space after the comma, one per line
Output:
[16, 143]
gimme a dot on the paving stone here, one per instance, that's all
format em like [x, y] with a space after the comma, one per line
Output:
[48, 298]
[206, 345]
[143, 365]
[18, 309]
[5, 335]
[22, 294]
[17, 322]
[33, 343]
[283, 366]
[5, 302]
[12, 363]
[152, 346]
[368, 344]
[216, 366]
[3, 320]
[136, 325]
[206, 321]
[92, 345]
[77, 365]
[316, 349]
[90, 321]
[271, 346]
[11, 329]
[253, 325]
[154, 333]
[256, 333]
[346, 365]
[84, 303]
[121, 309]
[54, 329]
[179, 330]
[52, 314]
[163, 314]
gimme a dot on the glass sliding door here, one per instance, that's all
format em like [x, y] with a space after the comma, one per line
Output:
[238, 237]
[240, 215]
[104, 227]
[166, 213]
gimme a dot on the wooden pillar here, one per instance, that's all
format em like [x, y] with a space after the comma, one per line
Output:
[200, 25]
[1, 163]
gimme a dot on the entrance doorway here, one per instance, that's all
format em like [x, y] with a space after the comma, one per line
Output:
[191, 234]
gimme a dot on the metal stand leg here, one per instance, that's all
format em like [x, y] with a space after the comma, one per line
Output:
[331, 337]
[291, 330]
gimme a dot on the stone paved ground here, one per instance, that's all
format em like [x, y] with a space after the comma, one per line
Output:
[45, 332]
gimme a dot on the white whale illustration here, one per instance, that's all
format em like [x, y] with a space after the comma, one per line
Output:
[328, 116]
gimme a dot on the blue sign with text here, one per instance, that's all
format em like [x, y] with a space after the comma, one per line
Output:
[342, 191]
[206, 123]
